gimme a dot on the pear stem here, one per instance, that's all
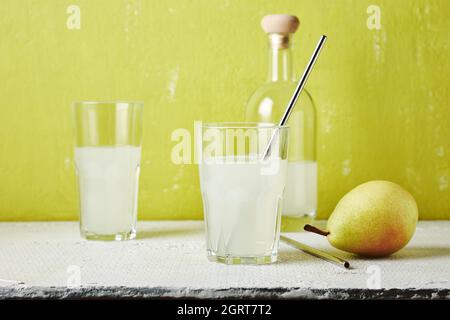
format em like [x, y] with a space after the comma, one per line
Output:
[311, 228]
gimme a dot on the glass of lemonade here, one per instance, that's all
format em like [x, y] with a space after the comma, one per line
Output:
[242, 190]
[107, 157]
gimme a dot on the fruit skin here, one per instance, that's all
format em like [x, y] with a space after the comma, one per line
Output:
[375, 219]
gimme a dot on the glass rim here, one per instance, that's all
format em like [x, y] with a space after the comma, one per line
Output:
[242, 125]
[106, 103]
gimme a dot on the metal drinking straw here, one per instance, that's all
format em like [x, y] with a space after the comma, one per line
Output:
[316, 252]
[283, 121]
[297, 92]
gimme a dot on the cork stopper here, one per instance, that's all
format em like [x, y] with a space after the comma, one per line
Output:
[280, 23]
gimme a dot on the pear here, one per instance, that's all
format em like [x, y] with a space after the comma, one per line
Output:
[375, 219]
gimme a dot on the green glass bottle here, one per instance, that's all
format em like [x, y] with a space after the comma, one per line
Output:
[267, 104]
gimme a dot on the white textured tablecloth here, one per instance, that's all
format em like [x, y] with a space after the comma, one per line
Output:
[47, 259]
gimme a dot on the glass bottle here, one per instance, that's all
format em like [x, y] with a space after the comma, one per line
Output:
[267, 104]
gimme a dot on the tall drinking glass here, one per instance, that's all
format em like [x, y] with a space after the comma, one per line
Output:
[107, 157]
[242, 190]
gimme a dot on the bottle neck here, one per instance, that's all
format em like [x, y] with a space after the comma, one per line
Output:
[280, 58]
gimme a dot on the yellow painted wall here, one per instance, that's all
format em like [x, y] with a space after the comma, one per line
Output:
[382, 95]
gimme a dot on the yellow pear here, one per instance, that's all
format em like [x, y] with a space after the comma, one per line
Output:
[375, 219]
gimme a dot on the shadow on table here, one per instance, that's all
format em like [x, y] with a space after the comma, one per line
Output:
[288, 257]
[410, 253]
[419, 253]
[169, 232]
